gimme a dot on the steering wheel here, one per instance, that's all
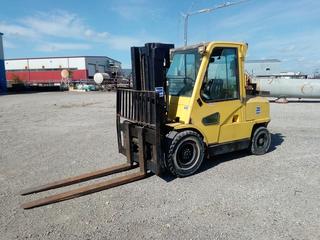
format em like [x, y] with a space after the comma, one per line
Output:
[207, 89]
[187, 85]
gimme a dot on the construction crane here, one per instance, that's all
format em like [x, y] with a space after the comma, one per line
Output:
[186, 104]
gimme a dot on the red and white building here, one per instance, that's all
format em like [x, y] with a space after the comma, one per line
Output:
[47, 71]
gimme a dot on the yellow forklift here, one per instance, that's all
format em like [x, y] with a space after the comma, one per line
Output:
[186, 104]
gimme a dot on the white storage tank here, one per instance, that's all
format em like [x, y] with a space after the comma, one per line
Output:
[99, 77]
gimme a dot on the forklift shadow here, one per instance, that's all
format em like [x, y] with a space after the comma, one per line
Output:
[276, 140]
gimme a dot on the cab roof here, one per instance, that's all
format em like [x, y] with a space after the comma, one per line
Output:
[190, 47]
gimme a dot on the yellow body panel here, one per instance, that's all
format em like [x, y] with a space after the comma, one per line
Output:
[237, 117]
[179, 107]
[252, 109]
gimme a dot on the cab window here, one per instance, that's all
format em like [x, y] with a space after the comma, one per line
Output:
[182, 73]
[222, 79]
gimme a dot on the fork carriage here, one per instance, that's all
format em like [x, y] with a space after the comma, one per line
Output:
[140, 120]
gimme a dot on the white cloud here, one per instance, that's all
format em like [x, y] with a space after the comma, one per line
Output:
[122, 42]
[261, 14]
[297, 52]
[53, 47]
[137, 10]
[17, 31]
[58, 24]
[284, 30]
[53, 31]
[288, 48]
[62, 24]
[8, 44]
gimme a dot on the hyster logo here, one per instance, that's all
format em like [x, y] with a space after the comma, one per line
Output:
[258, 110]
[160, 91]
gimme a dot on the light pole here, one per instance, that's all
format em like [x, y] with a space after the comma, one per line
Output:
[205, 10]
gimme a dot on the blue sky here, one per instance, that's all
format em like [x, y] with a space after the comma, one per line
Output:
[287, 30]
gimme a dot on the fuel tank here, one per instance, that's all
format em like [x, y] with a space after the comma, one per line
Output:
[288, 87]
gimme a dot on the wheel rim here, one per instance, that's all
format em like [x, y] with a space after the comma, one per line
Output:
[262, 140]
[187, 154]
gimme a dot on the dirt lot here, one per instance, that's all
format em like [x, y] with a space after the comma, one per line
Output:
[48, 136]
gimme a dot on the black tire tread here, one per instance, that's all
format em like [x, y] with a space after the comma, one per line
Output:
[256, 131]
[177, 138]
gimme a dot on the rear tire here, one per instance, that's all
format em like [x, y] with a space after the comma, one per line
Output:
[185, 154]
[260, 141]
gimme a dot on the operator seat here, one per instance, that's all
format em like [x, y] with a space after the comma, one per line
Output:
[216, 89]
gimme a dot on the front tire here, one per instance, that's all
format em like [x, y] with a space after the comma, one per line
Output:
[260, 141]
[185, 154]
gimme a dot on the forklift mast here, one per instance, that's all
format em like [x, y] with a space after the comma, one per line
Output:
[149, 66]
[141, 111]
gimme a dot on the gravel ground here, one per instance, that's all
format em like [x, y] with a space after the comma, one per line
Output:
[48, 136]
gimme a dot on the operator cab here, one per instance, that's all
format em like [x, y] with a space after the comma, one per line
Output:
[218, 80]
[184, 68]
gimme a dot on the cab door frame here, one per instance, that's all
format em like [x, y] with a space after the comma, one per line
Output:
[230, 111]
